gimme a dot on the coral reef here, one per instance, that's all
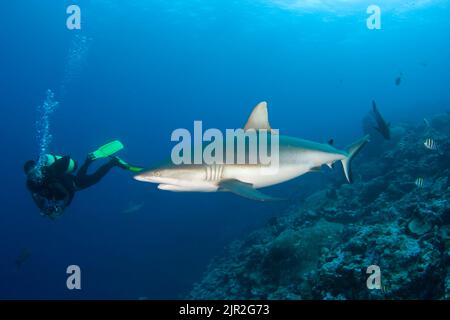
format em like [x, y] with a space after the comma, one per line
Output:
[322, 246]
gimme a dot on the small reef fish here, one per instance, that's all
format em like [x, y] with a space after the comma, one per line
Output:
[430, 144]
[419, 182]
[427, 123]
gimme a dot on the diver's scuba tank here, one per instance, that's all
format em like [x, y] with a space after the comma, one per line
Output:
[50, 159]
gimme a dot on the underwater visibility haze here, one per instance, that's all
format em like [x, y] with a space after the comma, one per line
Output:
[90, 108]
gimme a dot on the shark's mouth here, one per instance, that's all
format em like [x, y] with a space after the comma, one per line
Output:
[141, 178]
[170, 187]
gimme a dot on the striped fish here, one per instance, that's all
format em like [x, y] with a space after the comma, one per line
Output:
[419, 182]
[430, 144]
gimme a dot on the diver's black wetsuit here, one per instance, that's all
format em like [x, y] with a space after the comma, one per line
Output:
[59, 186]
[84, 180]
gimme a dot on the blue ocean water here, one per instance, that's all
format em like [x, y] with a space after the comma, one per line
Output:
[139, 69]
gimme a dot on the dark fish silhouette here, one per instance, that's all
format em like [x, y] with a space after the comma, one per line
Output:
[382, 126]
[398, 80]
[22, 258]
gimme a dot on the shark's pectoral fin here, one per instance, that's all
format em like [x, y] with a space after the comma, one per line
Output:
[315, 169]
[245, 190]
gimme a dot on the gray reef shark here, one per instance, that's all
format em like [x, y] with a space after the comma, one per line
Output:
[296, 157]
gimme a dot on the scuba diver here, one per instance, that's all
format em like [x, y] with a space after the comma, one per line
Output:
[53, 182]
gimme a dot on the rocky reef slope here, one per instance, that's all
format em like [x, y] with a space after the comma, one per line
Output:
[396, 215]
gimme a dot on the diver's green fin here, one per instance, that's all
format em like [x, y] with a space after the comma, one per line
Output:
[125, 165]
[135, 169]
[107, 150]
[245, 190]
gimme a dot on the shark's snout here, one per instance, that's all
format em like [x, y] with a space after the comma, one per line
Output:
[159, 176]
[149, 176]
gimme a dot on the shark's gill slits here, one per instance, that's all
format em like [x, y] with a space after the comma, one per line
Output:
[214, 172]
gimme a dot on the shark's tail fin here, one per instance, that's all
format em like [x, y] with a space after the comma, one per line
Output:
[352, 150]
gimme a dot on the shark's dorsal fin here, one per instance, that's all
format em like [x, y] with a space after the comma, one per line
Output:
[259, 118]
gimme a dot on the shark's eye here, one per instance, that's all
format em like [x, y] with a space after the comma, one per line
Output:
[157, 173]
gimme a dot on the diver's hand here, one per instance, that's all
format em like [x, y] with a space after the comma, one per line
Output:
[90, 157]
[54, 212]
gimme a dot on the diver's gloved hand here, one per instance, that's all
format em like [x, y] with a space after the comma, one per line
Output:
[52, 210]
[49, 214]
[90, 157]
